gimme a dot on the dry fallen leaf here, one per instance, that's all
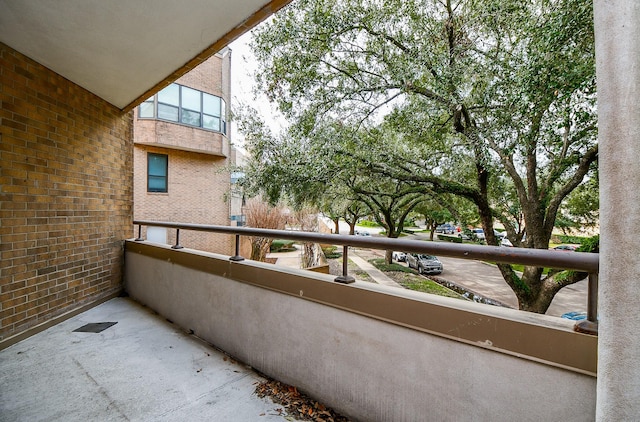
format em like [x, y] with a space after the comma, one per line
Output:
[297, 404]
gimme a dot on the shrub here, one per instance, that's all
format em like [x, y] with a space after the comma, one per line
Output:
[561, 238]
[367, 223]
[454, 239]
[282, 246]
[590, 244]
[330, 252]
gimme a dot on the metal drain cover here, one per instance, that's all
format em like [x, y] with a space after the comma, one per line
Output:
[94, 327]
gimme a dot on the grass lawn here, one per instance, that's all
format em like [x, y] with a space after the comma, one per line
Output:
[422, 284]
[410, 279]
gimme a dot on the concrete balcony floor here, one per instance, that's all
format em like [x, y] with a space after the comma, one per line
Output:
[141, 369]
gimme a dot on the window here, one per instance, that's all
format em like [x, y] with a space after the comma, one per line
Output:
[188, 106]
[169, 103]
[146, 108]
[157, 169]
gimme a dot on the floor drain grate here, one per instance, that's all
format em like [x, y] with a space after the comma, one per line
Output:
[94, 327]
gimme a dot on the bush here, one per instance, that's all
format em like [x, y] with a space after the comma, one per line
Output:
[330, 252]
[282, 246]
[590, 244]
[454, 239]
[561, 238]
[367, 223]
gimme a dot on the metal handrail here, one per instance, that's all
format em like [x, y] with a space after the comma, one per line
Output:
[587, 262]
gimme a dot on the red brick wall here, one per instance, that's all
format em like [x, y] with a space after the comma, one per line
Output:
[66, 190]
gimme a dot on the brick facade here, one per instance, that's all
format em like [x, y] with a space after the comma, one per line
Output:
[66, 178]
[198, 160]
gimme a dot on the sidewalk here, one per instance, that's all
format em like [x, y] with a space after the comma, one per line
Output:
[292, 260]
[287, 259]
[377, 275]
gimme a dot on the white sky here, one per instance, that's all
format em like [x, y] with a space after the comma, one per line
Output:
[243, 65]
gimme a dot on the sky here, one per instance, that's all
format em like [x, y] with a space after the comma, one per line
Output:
[243, 65]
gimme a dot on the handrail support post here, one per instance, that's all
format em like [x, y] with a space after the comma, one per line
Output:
[177, 245]
[590, 325]
[345, 278]
[139, 238]
[237, 257]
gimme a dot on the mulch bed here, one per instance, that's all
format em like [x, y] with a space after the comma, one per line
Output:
[296, 404]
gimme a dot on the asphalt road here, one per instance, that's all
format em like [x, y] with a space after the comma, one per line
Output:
[486, 280]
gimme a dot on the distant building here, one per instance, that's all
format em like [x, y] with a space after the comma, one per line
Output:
[182, 157]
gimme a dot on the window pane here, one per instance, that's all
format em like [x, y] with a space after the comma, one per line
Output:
[167, 112]
[191, 117]
[157, 165]
[211, 122]
[211, 104]
[223, 112]
[157, 172]
[146, 109]
[190, 99]
[170, 95]
[157, 184]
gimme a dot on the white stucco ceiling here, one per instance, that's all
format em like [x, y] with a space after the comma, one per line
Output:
[119, 49]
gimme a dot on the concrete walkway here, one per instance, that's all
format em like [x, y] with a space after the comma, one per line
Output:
[141, 369]
[292, 260]
[287, 259]
[377, 275]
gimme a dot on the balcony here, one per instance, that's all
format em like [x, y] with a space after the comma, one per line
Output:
[181, 137]
[143, 368]
[371, 352]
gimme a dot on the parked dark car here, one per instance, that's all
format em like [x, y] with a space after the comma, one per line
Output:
[425, 264]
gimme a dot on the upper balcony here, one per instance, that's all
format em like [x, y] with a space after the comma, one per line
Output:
[168, 120]
[171, 135]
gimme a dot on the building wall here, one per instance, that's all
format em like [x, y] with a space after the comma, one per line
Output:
[198, 178]
[197, 190]
[65, 194]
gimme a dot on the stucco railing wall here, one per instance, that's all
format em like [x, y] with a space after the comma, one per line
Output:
[372, 352]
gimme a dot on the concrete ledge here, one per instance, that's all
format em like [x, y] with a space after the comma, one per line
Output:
[372, 352]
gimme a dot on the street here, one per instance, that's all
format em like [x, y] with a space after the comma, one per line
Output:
[486, 280]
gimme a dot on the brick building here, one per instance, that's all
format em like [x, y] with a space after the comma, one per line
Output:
[182, 156]
[66, 139]
[69, 77]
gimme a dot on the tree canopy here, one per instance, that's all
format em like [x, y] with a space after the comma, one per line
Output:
[490, 101]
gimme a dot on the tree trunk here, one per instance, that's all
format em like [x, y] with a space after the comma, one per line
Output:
[309, 258]
[388, 257]
[259, 248]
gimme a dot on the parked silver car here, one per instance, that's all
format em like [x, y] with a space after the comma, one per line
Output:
[425, 264]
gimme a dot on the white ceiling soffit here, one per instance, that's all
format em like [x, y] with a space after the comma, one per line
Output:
[121, 49]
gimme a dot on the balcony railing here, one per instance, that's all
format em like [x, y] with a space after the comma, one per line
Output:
[585, 262]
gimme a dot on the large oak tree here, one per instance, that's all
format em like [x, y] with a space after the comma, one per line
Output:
[492, 101]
